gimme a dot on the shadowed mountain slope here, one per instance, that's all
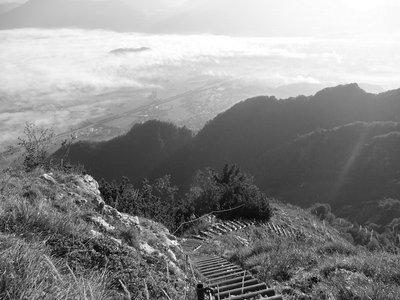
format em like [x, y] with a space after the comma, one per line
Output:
[250, 128]
[348, 166]
[133, 155]
[339, 146]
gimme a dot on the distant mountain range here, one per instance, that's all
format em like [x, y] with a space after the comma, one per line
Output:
[226, 17]
[339, 146]
[106, 14]
[6, 7]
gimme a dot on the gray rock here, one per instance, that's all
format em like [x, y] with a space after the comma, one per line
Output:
[102, 223]
[89, 189]
[49, 178]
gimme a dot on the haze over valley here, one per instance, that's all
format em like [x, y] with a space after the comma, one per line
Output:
[65, 77]
[70, 74]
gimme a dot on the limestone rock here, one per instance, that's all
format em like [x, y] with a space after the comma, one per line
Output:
[49, 178]
[126, 219]
[89, 188]
[102, 223]
[95, 233]
[89, 180]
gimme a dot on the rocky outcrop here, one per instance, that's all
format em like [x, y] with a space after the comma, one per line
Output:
[141, 235]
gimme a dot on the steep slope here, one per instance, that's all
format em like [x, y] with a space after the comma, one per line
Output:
[317, 260]
[255, 126]
[133, 155]
[58, 239]
[347, 166]
[339, 146]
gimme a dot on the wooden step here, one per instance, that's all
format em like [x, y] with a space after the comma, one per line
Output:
[241, 291]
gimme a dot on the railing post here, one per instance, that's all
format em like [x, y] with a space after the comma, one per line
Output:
[200, 291]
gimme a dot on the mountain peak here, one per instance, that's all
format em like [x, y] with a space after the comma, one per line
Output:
[352, 89]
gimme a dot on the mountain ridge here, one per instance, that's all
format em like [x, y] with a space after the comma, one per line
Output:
[62, 13]
[262, 136]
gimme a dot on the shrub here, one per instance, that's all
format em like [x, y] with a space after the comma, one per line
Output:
[322, 210]
[336, 247]
[157, 201]
[230, 192]
[35, 144]
[130, 236]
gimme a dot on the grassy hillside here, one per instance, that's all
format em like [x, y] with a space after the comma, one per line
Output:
[317, 263]
[58, 240]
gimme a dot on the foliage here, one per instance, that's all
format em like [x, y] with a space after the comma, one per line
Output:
[312, 268]
[157, 201]
[35, 143]
[373, 236]
[133, 155]
[322, 210]
[231, 192]
[337, 247]
[29, 272]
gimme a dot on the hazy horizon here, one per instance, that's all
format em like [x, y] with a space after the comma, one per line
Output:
[310, 18]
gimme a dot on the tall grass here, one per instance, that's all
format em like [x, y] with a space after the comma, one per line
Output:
[48, 249]
[29, 272]
[30, 206]
[322, 265]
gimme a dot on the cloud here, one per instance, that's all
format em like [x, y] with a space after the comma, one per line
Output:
[61, 76]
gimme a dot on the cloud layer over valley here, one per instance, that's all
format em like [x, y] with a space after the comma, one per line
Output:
[59, 76]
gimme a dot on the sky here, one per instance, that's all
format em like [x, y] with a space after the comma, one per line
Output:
[254, 17]
[51, 76]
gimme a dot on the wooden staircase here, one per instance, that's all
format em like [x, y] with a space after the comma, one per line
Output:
[224, 279]
[231, 282]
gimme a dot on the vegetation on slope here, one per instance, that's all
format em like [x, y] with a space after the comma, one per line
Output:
[253, 127]
[231, 194]
[133, 155]
[339, 146]
[317, 263]
[59, 240]
[373, 236]
[348, 166]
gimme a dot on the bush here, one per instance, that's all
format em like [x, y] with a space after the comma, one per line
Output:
[156, 201]
[336, 247]
[231, 194]
[35, 144]
[321, 210]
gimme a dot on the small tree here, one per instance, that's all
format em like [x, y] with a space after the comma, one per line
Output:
[35, 143]
[321, 210]
[227, 191]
